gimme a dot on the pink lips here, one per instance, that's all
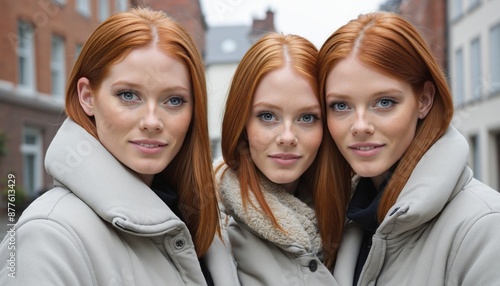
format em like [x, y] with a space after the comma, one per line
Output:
[149, 146]
[285, 159]
[366, 149]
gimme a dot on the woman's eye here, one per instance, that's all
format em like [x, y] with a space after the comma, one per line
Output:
[339, 106]
[175, 101]
[385, 103]
[266, 116]
[127, 95]
[308, 118]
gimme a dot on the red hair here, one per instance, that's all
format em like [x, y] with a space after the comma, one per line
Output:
[190, 172]
[391, 45]
[268, 54]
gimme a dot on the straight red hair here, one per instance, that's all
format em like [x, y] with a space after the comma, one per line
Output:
[391, 45]
[270, 53]
[190, 173]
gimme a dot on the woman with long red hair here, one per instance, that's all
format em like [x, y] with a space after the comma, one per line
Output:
[417, 216]
[134, 200]
[276, 184]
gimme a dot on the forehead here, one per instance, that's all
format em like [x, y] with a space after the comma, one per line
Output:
[351, 76]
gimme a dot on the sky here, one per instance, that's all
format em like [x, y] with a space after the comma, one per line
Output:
[312, 19]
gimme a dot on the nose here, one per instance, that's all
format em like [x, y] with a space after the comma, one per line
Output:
[287, 136]
[151, 121]
[362, 124]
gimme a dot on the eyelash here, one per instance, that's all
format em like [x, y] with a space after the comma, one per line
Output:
[122, 92]
[181, 98]
[333, 104]
[262, 113]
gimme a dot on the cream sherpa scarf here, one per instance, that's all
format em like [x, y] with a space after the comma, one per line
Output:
[293, 215]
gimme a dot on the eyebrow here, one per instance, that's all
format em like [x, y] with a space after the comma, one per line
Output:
[390, 91]
[139, 86]
[273, 106]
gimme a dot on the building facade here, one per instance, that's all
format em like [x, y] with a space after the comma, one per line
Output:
[474, 69]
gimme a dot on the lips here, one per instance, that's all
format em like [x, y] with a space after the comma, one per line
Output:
[366, 149]
[285, 159]
[149, 146]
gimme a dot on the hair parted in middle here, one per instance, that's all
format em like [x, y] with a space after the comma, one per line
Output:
[190, 172]
[389, 44]
[270, 53]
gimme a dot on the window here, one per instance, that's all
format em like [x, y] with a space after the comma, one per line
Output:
[475, 68]
[83, 7]
[26, 56]
[103, 9]
[456, 9]
[31, 149]
[120, 5]
[476, 161]
[495, 58]
[458, 83]
[473, 4]
[57, 67]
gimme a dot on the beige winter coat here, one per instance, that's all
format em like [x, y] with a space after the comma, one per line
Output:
[264, 255]
[101, 225]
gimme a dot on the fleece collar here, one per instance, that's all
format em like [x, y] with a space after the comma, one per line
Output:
[293, 215]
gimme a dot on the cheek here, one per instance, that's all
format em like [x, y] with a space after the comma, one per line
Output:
[332, 129]
[313, 140]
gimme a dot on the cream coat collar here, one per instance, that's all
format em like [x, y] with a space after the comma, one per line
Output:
[294, 216]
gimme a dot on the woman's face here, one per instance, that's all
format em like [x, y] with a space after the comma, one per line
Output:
[372, 117]
[284, 127]
[142, 109]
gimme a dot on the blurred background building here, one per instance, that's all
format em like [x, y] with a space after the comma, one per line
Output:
[40, 40]
[465, 37]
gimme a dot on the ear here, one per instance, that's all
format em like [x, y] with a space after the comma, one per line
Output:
[85, 96]
[426, 99]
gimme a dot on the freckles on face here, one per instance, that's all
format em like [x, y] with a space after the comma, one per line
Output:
[371, 117]
[143, 110]
[284, 128]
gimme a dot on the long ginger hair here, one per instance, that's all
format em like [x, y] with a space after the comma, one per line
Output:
[270, 53]
[389, 44]
[190, 172]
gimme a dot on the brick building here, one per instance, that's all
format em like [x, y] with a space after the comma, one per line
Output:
[39, 42]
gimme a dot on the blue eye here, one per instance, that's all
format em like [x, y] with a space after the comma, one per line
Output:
[266, 116]
[385, 103]
[339, 106]
[127, 95]
[176, 101]
[308, 118]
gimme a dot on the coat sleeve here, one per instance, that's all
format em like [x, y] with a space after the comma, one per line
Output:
[43, 252]
[477, 258]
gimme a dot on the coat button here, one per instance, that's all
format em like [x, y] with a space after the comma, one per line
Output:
[313, 265]
[179, 243]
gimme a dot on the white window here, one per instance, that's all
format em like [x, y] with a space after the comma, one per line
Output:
[473, 4]
[456, 9]
[121, 5]
[83, 7]
[475, 68]
[458, 82]
[57, 67]
[31, 149]
[476, 161]
[103, 9]
[26, 56]
[495, 58]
